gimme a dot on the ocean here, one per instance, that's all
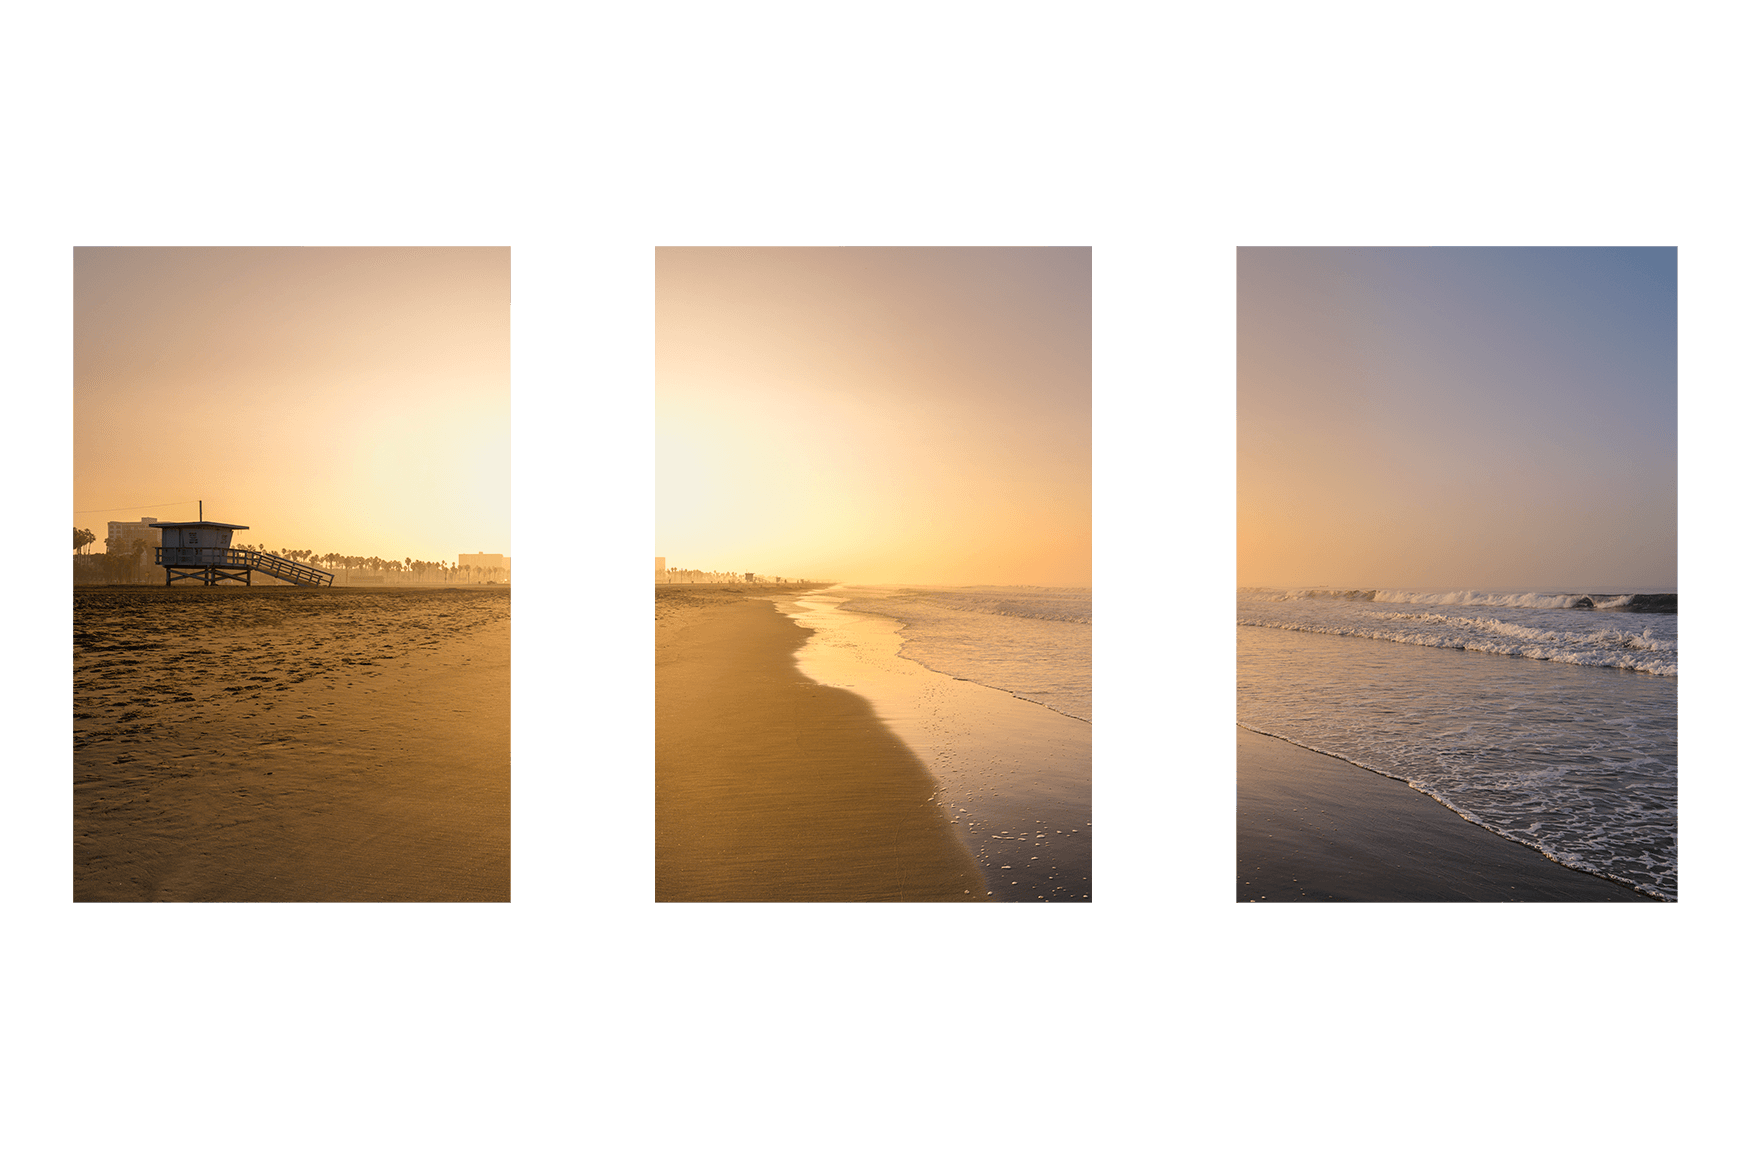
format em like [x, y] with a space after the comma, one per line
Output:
[992, 688]
[1033, 642]
[1548, 718]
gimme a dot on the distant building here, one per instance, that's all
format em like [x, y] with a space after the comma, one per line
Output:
[122, 535]
[661, 569]
[484, 567]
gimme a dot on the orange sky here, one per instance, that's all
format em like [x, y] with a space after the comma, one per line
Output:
[1438, 418]
[878, 415]
[354, 400]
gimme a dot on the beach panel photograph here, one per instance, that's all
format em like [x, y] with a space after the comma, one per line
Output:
[873, 574]
[1457, 569]
[291, 574]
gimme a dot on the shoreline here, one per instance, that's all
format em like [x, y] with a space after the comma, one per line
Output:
[1311, 827]
[770, 787]
[1013, 775]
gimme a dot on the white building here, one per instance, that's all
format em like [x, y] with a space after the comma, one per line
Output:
[483, 566]
[122, 535]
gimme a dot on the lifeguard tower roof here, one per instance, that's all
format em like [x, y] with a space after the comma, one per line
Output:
[215, 525]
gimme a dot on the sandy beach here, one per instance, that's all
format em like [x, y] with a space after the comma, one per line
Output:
[1314, 828]
[770, 787]
[290, 744]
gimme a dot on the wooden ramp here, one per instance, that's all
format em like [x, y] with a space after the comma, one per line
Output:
[302, 574]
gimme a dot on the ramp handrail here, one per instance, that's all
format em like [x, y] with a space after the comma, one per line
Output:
[263, 561]
[292, 572]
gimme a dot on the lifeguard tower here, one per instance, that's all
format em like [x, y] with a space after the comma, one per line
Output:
[203, 550]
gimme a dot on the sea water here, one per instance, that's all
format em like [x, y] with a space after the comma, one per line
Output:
[1550, 719]
[992, 689]
[1033, 642]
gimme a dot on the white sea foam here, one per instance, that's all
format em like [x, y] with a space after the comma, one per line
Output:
[1035, 642]
[1542, 600]
[1533, 599]
[1579, 762]
[1596, 637]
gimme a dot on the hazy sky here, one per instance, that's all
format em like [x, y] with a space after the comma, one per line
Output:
[1483, 418]
[877, 415]
[354, 400]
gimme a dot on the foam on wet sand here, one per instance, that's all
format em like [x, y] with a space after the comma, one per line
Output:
[1315, 828]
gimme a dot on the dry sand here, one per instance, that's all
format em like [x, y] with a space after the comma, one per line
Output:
[1312, 827]
[291, 744]
[771, 787]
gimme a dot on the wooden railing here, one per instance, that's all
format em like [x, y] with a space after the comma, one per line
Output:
[268, 564]
[202, 557]
[302, 574]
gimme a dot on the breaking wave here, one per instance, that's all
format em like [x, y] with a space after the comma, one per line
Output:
[1663, 602]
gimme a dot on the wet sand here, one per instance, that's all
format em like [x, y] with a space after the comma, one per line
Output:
[291, 744]
[1015, 777]
[770, 787]
[1313, 828]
